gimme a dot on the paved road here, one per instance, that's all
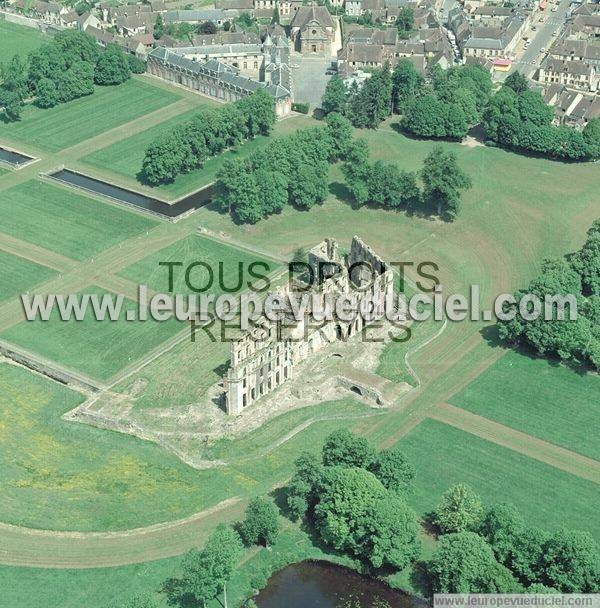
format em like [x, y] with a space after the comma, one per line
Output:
[542, 38]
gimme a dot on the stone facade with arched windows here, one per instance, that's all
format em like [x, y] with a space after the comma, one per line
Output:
[265, 357]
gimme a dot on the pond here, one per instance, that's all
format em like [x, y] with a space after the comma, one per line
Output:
[320, 584]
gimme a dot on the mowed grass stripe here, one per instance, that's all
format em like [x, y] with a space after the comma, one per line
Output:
[547, 497]
[66, 222]
[125, 157]
[17, 39]
[75, 121]
[539, 398]
[229, 267]
[97, 348]
[18, 275]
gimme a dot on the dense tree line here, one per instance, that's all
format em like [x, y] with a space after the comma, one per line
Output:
[356, 500]
[290, 170]
[449, 102]
[577, 274]
[448, 106]
[63, 69]
[493, 551]
[207, 134]
[518, 118]
[385, 185]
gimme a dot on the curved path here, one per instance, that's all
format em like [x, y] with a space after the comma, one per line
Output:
[47, 549]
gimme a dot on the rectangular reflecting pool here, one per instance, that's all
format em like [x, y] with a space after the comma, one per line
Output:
[170, 211]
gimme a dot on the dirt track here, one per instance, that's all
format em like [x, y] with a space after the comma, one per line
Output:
[541, 450]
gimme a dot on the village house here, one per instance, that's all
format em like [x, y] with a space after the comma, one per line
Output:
[572, 74]
[571, 108]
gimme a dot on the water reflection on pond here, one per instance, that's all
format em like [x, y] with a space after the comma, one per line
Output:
[324, 585]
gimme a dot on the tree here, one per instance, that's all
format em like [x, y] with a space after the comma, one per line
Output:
[238, 191]
[335, 97]
[591, 134]
[136, 65]
[159, 27]
[13, 75]
[310, 185]
[533, 109]
[221, 553]
[391, 534]
[526, 560]
[301, 491]
[261, 524]
[112, 66]
[346, 449]
[346, 498]
[517, 82]
[406, 83]
[443, 182]
[207, 27]
[11, 102]
[539, 588]
[258, 110]
[459, 510]
[393, 469]
[356, 170]
[76, 46]
[273, 190]
[164, 159]
[405, 20]
[586, 262]
[571, 562]
[47, 95]
[501, 527]
[340, 132]
[372, 103]
[464, 563]
[425, 116]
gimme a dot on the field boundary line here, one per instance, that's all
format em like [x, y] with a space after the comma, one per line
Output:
[533, 447]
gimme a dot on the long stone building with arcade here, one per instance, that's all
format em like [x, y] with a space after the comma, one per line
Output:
[230, 71]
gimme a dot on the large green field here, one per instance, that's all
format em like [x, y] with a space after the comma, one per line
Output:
[18, 39]
[540, 398]
[63, 475]
[60, 220]
[547, 497]
[229, 267]
[75, 121]
[19, 275]
[124, 158]
[97, 348]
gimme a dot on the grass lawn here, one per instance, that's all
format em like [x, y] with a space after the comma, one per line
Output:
[229, 267]
[547, 497]
[19, 275]
[75, 121]
[519, 211]
[62, 475]
[180, 376]
[534, 396]
[65, 222]
[124, 158]
[18, 39]
[93, 588]
[97, 348]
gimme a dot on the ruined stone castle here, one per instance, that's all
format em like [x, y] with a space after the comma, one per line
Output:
[265, 356]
